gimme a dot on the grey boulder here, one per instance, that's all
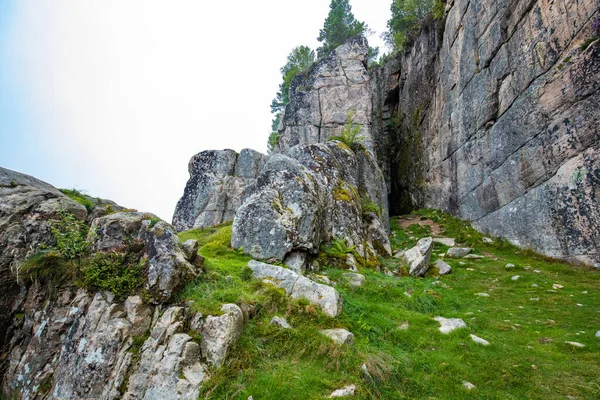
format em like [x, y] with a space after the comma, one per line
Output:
[418, 257]
[214, 192]
[299, 287]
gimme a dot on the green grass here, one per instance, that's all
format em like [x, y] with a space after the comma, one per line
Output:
[527, 358]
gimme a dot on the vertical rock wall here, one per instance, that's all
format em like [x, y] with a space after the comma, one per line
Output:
[497, 121]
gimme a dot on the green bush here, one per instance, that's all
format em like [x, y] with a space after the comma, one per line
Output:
[368, 206]
[350, 134]
[70, 235]
[337, 248]
[121, 273]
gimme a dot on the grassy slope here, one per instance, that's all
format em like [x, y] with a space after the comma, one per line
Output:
[527, 358]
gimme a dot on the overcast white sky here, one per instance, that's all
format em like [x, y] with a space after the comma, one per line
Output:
[115, 96]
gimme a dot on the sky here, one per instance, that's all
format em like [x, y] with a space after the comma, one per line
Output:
[113, 97]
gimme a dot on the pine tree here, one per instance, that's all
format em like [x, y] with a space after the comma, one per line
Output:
[339, 26]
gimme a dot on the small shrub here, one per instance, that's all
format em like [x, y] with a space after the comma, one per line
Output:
[121, 273]
[273, 141]
[337, 248]
[369, 206]
[43, 266]
[350, 134]
[70, 235]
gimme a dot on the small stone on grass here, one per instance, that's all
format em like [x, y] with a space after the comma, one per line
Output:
[479, 340]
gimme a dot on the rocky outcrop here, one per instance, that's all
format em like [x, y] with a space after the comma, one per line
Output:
[322, 100]
[167, 262]
[493, 116]
[60, 341]
[310, 196]
[83, 345]
[218, 180]
[27, 207]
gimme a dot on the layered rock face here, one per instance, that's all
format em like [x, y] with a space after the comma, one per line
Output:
[82, 345]
[59, 341]
[494, 116]
[311, 195]
[322, 100]
[27, 205]
[218, 180]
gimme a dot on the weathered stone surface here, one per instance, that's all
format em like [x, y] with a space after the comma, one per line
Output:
[450, 242]
[218, 181]
[479, 340]
[190, 247]
[79, 345]
[27, 205]
[299, 287]
[168, 265]
[343, 392]
[458, 252]
[339, 336]
[219, 333]
[443, 267]
[418, 257]
[497, 122]
[354, 279]
[281, 322]
[447, 325]
[321, 101]
[308, 197]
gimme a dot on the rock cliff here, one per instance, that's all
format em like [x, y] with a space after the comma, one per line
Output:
[493, 116]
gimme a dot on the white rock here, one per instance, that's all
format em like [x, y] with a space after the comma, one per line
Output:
[534, 285]
[515, 278]
[598, 334]
[406, 325]
[450, 324]
[468, 385]
[450, 242]
[344, 392]
[557, 286]
[339, 336]
[220, 332]
[418, 257]
[537, 271]
[281, 322]
[509, 266]
[575, 344]
[534, 299]
[443, 267]
[482, 294]
[487, 240]
[473, 257]
[479, 340]
[354, 279]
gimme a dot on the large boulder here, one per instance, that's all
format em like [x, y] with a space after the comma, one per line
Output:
[310, 196]
[168, 263]
[218, 180]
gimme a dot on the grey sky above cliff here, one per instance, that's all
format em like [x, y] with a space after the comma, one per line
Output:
[113, 97]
